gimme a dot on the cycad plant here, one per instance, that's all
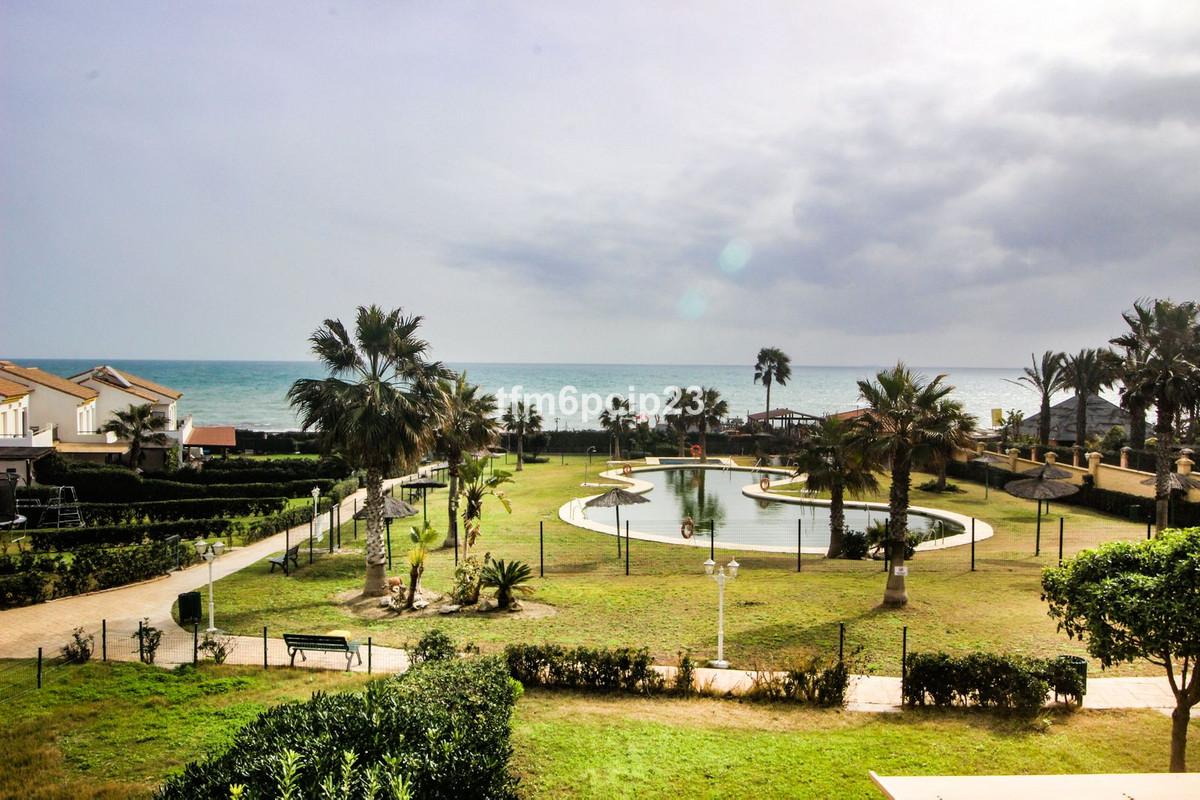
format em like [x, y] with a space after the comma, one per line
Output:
[139, 426]
[508, 579]
[831, 459]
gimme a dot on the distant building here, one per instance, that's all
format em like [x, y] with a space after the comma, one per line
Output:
[1102, 416]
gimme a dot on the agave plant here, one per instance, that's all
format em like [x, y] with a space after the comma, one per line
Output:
[507, 578]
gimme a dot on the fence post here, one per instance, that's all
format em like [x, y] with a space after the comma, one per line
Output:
[264, 646]
[972, 544]
[799, 541]
[541, 548]
[626, 547]
[310, 536]
[712, 539]
[331, 528]
[368, 655]
[1149, 522]
[903, 663]
[354, 517]
[39, 668]
[1060, 540]
[339, 526]
[1037, 542]
[141, 643]
[841, 641]
[104, 640]
[195, 643]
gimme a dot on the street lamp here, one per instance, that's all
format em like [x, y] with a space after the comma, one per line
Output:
[720, 577]
[590, 450]
[209, 553]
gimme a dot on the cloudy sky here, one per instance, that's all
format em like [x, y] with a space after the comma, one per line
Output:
[957, 183]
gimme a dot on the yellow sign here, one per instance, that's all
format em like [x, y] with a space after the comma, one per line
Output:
[997, 417]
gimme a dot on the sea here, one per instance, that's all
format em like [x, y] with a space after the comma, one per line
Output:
[252, 394]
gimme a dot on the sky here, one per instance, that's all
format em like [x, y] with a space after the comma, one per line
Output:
[675, 182]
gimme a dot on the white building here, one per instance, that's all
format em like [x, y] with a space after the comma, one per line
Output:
[63, 407]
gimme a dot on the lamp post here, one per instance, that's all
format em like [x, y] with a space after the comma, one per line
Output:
[209, 553]
[590, 450]
[720, 576]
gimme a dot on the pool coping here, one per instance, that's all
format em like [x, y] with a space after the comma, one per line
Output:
[571, 512]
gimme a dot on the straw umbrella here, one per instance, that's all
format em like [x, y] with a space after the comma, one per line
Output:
[987, 459]
[615, 498]
[1041, 488]
[424, 484]
[393, 508]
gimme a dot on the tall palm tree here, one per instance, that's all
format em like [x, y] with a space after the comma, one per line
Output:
[1045, 377]
[617, 420]
[959, 426]
[832, 460]
[476, 485]
[468, 423]
[1136, 350]
[139, 426]
[712, 410]
[773, 366]
[520, 420]
[377, 409]
[1087, 372]
[903, 425]
[1170, 375]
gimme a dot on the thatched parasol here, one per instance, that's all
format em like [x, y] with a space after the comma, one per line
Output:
[1047, 471]
[1040, 489]
[393, 508]
[424, 484]
[1176, 482]
[615, 498]
[987, 459]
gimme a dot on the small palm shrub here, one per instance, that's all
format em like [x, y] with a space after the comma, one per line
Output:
[855, 545]
[507, 578]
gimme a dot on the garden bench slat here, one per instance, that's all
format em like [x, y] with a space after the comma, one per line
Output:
[299, 642]
[292, 555]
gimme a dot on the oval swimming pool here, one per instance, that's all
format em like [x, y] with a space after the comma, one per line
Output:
[714, 497]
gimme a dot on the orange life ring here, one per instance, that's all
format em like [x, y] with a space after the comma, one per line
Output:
[765, 484]
[688, 529]
[626, 470]
[696, 451]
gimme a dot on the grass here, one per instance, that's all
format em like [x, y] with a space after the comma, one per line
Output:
[773, 613]
[620, 747]
[114, 730]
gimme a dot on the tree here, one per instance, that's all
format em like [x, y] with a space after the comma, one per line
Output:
[521, 419]
[1087, 372]
[508, 579]
[903, 425]
[832, 460]
[467, 424]
[377, 408]
[1170, 374]
[618, 421]
[1135, 348]
[773, 366]
[1134, 601]
[139, 426]
[476, 485]
[423, 539]
[958, 428]
[1045, 378]
[712, 410]
[682, 417]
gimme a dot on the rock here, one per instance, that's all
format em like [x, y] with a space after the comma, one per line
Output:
[420, 604]
[449, 608]
[385, 602]
[514, 607]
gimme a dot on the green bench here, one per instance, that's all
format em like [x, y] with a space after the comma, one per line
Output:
[299, 642]
[292, 554]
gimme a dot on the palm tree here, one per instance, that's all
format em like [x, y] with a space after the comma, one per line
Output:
[959, 426]
[377, 408]
[423, 539]
[1087, 372]
[681, 418]
[1135, 345]
[712, 410]
[773, 366]
[1045, 378]
[832, 460]
[1170, 375]
[521, 419]
[476, 485]
[617, 420]
[903, 425]
[468, 423]
[139, 426]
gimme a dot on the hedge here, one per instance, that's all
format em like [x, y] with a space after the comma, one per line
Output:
[263, 472]
[119, 485]
[444, 727]
[593, 669]
[172, 510]
[989, 680]
[68, 539]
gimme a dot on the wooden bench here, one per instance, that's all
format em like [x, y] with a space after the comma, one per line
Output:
[292, 555]
[299, 642]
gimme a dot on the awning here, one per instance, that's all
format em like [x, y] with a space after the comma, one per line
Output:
[100, 448]
[23, 453]
[1143, 786]
[213, 436]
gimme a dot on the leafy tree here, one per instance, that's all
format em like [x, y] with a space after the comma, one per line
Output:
[905, 424]
[1138, 600]
[520, 420]
[1045, 377]
[618, 421]
[1087, 372]
[1170, 374]
[423, 539]
[507, 579]
[377, 409]
[477, 484]
[139, 426]
[773, 366]
[713, 409]
[467, 424]
[832, 460]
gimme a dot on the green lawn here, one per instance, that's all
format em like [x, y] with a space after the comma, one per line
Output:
[773, 613]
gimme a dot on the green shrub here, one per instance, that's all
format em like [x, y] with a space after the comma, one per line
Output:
[988, 680]
[434, 645]
[584, 668]
[30, 578]
[855, 545]
[444, 727]
[812, 681]
[508, 579]
[64, 539]
[173, 510]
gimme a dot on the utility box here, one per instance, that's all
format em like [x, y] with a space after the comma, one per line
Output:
[189, 608]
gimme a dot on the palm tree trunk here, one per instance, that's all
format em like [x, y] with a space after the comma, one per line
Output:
[1044, 420]
[682, 442]
[767, 420]
[1081, 418]
[1162, 466]
[617, 445]
[375, 584]
[414, 581]
[135, 452]
[520, 450]
[452, 463]
[837, 519]
[896, 593]
[1137, 424]
[703, 439]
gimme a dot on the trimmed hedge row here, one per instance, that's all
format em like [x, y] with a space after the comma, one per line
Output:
[586, 668]
[989, 680]
[264, 472]
[70, 539]
[443, 728]
[27, 579]
[117, 485]
[173, 510]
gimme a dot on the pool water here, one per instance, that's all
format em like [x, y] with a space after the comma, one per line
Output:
[714, 496]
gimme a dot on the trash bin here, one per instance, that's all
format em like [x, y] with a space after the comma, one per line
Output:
[189, 608]
[1069, 664]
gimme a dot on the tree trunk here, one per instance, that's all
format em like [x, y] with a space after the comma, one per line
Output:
[837, 520]
[683, 442]
[375, 584]
[1081, 419]
[1162, 467]
[520, 451]
[896, 593]
[452, 463]
[767, 420]
[1044, 421]
[135, 452]
[703, 440]
[617, 446]
[414, 581]
[1137, 424]
[1179, 728]
[940, 485]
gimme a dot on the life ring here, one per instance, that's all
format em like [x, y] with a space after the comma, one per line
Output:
[688, 528]
[626, 470]
[765, 484]
[696, 451]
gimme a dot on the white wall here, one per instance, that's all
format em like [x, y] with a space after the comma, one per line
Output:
[14, 416]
